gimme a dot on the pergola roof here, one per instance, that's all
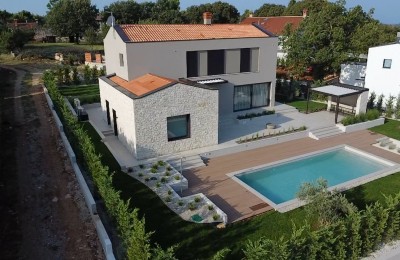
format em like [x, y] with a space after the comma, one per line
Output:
[336, 91]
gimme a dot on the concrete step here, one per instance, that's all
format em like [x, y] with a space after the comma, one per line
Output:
[187, 162]
[108, 132]
[324, 132]
[286, 110]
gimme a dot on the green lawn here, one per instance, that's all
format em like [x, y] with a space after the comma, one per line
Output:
[301, 105]
[201, 241]
[391, 129]
[86, 93]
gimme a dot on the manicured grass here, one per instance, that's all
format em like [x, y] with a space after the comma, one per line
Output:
[391, 128]
[301, 105]
[87, 94]
[201, 241]
[80, 90]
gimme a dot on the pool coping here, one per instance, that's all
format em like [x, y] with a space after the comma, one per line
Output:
[392, 167]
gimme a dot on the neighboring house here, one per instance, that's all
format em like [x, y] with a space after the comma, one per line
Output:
[23, 26]
[168, 86]
[353, 74]
[277, 25]
[383, 69]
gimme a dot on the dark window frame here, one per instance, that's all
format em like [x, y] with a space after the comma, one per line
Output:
[245, 60]
[384, 64]
[192, 64]
[251, 96]
[215, 62]
[188, 128]
[121, 60]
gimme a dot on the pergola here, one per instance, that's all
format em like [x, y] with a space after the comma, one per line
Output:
[340, 92]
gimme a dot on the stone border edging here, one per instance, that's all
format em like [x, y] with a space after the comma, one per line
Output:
[89, 200]
[361, 126]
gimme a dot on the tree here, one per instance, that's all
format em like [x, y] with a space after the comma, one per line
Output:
[327, 206]
[371, 100]
[51, 4]
[312, 6]
[125, 12]
[167, 12]
[319, 42]
[91, 37]
[11, 40]
[270, 10]
[71, 18]
[222, 13]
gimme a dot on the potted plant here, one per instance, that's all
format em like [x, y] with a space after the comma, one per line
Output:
[270, 126]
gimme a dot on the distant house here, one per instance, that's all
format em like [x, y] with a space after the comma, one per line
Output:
[23, 25]
[383, 69]
[169, 86]
[277, 25]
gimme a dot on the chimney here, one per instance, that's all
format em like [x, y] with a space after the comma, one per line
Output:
[398, 37]
[207, 17]
[305, 11]
[251, 15]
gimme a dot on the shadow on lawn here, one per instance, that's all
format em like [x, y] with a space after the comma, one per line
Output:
[357, 196]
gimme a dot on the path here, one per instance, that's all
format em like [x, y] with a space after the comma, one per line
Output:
[48, 218]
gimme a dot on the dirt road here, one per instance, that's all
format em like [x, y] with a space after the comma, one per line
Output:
[43, 215]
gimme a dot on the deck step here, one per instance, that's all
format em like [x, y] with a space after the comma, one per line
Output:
[108, 132]
[325, 132]
[189, 162]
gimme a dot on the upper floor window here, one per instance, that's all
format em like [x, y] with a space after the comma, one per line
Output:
[121, 59]
[387, 63]
[215, 62]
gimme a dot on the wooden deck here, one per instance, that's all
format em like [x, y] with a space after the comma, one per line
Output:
[239, 203]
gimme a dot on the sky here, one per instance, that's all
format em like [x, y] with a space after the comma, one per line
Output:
[387, 11]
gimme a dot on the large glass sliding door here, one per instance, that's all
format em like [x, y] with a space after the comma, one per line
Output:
[242, 97]
[251, 96]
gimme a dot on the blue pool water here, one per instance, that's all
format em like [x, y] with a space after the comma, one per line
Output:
[281, 183]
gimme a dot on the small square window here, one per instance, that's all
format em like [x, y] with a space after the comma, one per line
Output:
[121, 59]
[387, 63]
[178, 127]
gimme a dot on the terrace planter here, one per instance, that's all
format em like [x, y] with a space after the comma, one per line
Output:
[361, 126]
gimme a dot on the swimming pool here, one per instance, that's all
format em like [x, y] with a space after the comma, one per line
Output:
[343, 167]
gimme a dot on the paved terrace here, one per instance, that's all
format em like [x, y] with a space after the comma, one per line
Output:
[239, 203]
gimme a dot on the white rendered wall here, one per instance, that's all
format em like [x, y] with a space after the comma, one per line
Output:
[168, 59]
[123, 105]
[353, 74]
[362, 101]
[381, 80]
[113, 46]
[151, 114]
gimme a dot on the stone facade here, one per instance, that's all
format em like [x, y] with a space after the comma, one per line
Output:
[142, 122]
[152, 111]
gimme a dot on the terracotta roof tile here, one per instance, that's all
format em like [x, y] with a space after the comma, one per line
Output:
[275, 24]
[186, 32]
[144, 84]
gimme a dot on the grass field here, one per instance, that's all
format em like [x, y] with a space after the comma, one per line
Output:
[301, 105]
[87, 94]
[391, 129]
[202, 241]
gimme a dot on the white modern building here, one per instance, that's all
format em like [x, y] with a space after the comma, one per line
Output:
[168, 86]
[353, 74]
[383, 69]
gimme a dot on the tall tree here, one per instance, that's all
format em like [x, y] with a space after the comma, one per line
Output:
[297, 7]
[167, 11]
[319, 42]
[270, 10]
[125, 12]
[222, 13]
[71, 18]
[245, 14]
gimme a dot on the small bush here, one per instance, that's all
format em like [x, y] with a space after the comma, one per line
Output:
[169, 192]
[192, 206]
[158, 184]
[177, 177]
[153, 170]
[154, 166]
[216, 217]
[161, 163]
[169, 168]
[197, 199]
[164, 180]
[141, 166]
[140, 174]
[168, 199]
[147, 179]
[210, 207]
[180, 203]
[167, 173]
[362, 117]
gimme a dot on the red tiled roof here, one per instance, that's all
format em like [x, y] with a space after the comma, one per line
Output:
[187, 32]
[143, 84]
[22, 26]
[275, 24]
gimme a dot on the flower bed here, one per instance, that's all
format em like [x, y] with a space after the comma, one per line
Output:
[167, 183]
[252, 115]
[275, 133]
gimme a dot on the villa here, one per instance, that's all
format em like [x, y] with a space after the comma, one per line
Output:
[168, 86]
[382, 74]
